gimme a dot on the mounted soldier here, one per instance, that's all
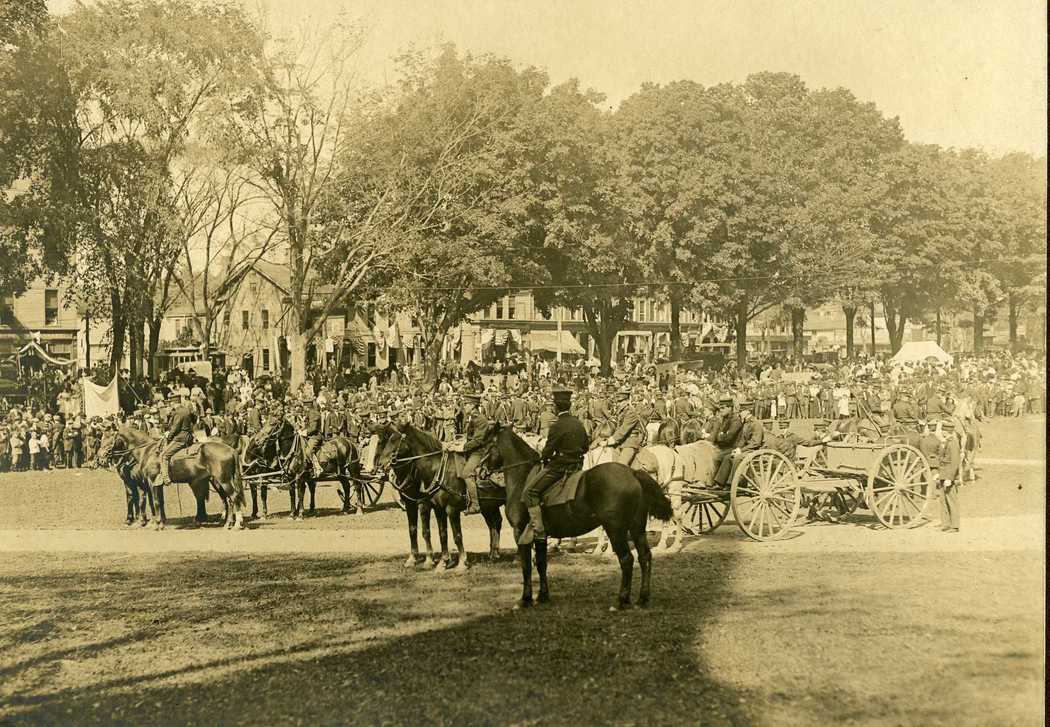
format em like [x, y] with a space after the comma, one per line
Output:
[312, 435]
[179, 436]
[630, 432]
[475, 427]
[567, 442]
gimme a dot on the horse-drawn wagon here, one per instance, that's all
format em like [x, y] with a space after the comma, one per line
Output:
[771, 492]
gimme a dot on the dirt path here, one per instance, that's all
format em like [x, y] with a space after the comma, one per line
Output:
[988, 534]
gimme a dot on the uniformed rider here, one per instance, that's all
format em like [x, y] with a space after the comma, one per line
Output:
[178, 436]
[475, 426]
[567, 442]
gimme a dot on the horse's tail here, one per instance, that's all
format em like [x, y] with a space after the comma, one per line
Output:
[659, 505]
[238, 483]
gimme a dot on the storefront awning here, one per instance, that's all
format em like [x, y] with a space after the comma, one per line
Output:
[548, 341]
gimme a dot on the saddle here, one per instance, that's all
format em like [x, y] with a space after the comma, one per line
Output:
[561, 492]
[191, 451]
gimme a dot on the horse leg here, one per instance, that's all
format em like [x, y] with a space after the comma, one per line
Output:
[541, 567]
[291, 498]
[622, 548]
[255, 500]
[645, 560]
[263, 491]
[425, 509]
[145, 496]
[525, 556]
[442, 521]
[161, 520]
[457, 537]
[344, 495]
[412, 514]
[131, 496]
[495, 522]
[313, 492]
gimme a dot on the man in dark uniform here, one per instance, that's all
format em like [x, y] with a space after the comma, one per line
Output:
[178, 436]
[475, 426]
[312, 435]
[567, 442]
[750, 438]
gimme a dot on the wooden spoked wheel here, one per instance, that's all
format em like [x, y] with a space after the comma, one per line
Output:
[369, 490]
[704, 509]
[766, 494]
[900, 486]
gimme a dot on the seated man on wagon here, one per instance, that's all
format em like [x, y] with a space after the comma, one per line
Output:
[749, 439]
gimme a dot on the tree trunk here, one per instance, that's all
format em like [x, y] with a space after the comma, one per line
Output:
[798, 327]
[154, 344]
[134, 350]
[676, 328]
[1013, 313]
[978, 331]
[118, 330]
[604, 321]
[850, 312]
[296, 359]
[740, 326]
[938, 326]
[87, 340]
[895, 320]
[873, 329]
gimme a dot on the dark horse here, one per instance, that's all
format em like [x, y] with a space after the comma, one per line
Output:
[610, 495]
[416, 458]
[137, 456]
[417, 506]
[280, 448]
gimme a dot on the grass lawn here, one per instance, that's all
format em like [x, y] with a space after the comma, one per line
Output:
[771, 639]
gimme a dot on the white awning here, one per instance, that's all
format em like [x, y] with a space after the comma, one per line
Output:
[548, 341]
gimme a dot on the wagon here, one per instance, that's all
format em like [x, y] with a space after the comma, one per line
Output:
[770, 493]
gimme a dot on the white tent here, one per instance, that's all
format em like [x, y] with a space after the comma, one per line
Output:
[919, 351]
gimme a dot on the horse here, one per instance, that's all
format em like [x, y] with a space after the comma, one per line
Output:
[214, 463]
[280, 446]
[417, 457]
[610, 495]
[417, 506]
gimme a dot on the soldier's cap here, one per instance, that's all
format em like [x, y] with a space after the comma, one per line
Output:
[476, 398]
[725, 401]
[561, 392]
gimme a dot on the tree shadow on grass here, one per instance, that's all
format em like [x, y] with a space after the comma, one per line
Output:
[390, 647]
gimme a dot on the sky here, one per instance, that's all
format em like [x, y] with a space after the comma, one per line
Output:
[959, 73]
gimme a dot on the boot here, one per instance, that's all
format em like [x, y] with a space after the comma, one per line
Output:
[473, 504]
[317, 465]
[536, 520]
[164, 476]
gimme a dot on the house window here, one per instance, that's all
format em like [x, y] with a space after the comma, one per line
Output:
[266, 359]
[370, 358]
[499, 310]
[265, 319]
[640, 311]
[244, 320]
[226, 319]
[253, 288]
[50, 307]
[510, 307]
[7, 309]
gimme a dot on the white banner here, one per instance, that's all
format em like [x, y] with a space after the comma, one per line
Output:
[100, 401]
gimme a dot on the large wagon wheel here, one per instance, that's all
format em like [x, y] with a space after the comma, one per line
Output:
[900, 486]
[766, 494]
[704, 510]
[368, 490]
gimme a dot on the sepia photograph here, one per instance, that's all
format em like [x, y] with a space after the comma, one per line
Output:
[523, 363]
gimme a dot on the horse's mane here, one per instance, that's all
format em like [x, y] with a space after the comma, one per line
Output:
[523, 447]
[425, 438]
[133, 435]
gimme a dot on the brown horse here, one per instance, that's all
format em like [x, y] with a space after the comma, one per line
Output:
[280, 448]
[215, 464]
[610, 495]
[416, 457]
